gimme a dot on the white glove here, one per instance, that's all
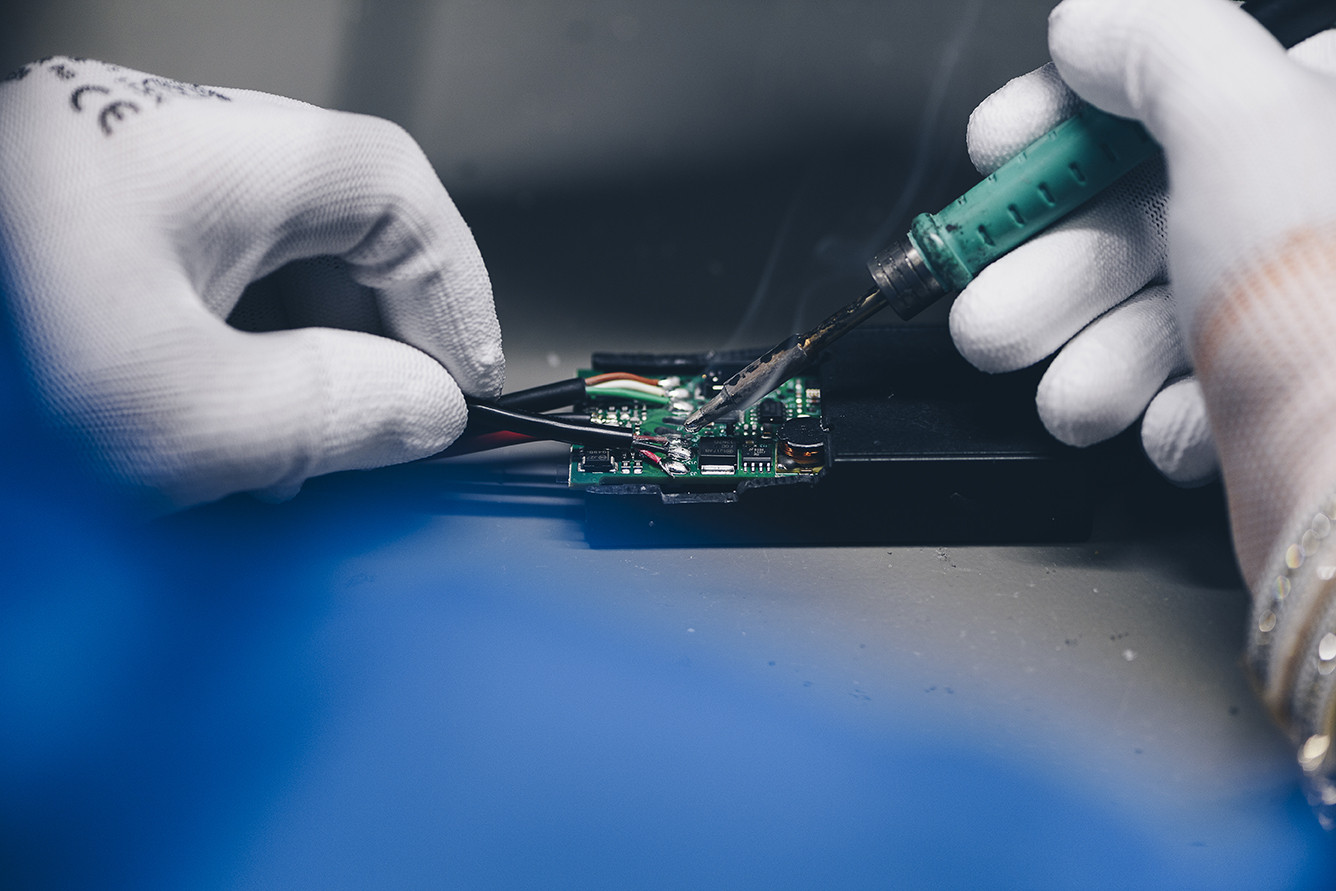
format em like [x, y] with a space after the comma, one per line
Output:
[1078, 278]
[135, 210]
[1247, 135]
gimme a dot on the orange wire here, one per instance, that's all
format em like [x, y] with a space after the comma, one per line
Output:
[620, 376]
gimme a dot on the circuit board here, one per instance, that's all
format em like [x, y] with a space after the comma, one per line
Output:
[890, 437]
[779, 437]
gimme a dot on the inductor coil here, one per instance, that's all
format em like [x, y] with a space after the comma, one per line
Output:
[803, 441]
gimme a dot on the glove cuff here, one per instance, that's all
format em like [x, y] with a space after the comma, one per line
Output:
[1264, 349]
[1292, 648]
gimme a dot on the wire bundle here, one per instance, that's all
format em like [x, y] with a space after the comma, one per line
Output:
[515, 417]
[625, 385]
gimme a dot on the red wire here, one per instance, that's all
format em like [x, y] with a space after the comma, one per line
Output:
[657, 461]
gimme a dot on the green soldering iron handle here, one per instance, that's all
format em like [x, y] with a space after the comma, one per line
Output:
[1050, 178]
[1047, 180]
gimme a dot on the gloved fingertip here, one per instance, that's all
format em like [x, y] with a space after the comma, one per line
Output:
[1015, 115]
[1189, 468]
[1071, 417]
[1317, 52]
[1176, 435]
[987, 338]
[1091, 42]
[276, 409]
[1104, 377]
[489, 378]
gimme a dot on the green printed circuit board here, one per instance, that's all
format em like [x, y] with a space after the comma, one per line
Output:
[779, 437]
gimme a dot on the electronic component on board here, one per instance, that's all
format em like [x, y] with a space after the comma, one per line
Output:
[757, 458]
[597, 461]
[803, 441]
[739, 450]
[770, 411]
[717, 454]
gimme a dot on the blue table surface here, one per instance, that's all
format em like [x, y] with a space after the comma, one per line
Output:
[424, 677]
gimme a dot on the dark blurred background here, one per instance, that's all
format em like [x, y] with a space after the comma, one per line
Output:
[506, 95]
[639, 175]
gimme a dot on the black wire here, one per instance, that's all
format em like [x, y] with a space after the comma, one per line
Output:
[496, 417]
[545, 396]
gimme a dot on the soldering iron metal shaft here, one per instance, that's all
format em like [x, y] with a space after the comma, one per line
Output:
[903, 283]
[784, 360]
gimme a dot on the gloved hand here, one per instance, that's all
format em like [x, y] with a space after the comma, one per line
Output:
[134, 212]
[1096, 289]
[1247, 134]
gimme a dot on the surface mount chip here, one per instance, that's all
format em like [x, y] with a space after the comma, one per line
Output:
[770, 411]
[757, 458]
[717, 454]
[596, 460]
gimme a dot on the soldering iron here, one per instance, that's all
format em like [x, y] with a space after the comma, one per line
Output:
[943, 252]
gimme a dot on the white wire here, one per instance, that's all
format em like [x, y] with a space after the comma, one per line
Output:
[635, 386]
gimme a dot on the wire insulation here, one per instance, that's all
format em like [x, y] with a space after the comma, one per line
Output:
[655, 460]
[544, 427]
[619, 392]
[468, 444]
[545, 397]
[620, 376]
